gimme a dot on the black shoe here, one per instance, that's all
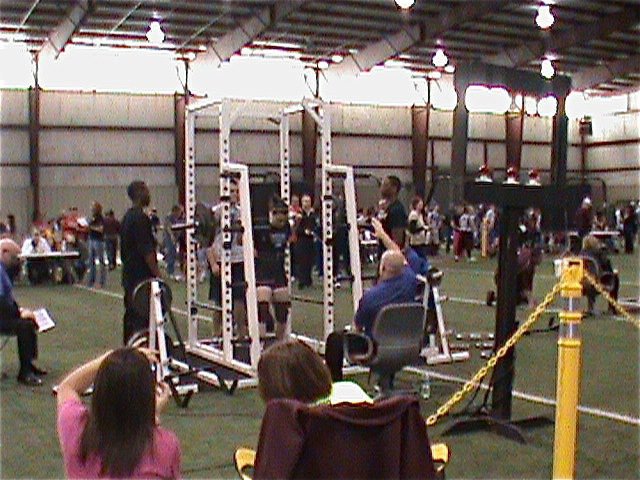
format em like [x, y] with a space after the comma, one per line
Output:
[38, 371]
[30, 380]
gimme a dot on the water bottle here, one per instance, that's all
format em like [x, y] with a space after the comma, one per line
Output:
[425, 387]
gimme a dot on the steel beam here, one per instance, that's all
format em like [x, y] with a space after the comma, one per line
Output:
[459, 139]
[419, 146]
[559, 144]
[514, 128]
[224, 48]
[594, 76]
[526, 52]
[389, 47]
[309, 150]
[34, 146]
[60, 36]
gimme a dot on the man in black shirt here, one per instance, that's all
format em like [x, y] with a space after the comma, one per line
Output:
[304, 227]
[138, 252]
[394, 221]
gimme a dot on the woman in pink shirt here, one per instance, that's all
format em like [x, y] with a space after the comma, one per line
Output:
[119, 436]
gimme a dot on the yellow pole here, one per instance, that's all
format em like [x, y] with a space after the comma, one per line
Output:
[565, 444]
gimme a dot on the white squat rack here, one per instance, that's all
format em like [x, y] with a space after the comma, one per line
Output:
[225, 356]
[320, 115]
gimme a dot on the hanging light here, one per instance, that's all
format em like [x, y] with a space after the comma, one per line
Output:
[155, 35]
[544, 18]
[337, 58]
[323, 64]
[404, 4]
[439, 58]
[450, 68]
[546, 69]
[548, 106]
[530, 106]
[434, 75]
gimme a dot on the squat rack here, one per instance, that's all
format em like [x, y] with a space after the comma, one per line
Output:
[321, 116]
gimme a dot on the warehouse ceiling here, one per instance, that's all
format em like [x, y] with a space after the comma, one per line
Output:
[596, 42]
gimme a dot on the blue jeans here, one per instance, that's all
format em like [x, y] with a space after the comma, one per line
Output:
[96, 251]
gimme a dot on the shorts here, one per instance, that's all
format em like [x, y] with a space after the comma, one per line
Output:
[238, 287]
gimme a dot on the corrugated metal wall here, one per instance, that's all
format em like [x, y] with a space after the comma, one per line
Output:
[93, 144]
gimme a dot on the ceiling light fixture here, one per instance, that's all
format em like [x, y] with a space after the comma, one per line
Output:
[404, 4]
[546, 69]
[337, 58]
[450, 68]
[544, 18]
[439, 58]
[323, 64]
[155, 35]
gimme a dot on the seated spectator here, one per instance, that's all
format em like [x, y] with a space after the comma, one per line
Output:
[15, 320]
[37, 270]
[593, 249]
[118, 436]
[397, 283]
[291, 370]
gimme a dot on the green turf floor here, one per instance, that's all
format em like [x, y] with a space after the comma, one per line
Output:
[215, 423]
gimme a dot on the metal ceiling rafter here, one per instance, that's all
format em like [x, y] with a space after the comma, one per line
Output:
[524, 53]
[62, 33]
[223, 49]
[390, 46]
[591, 77]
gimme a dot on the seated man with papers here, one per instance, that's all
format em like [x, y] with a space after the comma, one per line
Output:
[15, 320]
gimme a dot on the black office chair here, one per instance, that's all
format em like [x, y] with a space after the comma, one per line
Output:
[397, 339]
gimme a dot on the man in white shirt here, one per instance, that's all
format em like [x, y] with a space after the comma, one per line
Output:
[37, 270]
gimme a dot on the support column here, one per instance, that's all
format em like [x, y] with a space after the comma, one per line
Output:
[459, 143]
[583, 156]
[559, 145]
[179, 102]
[419, 147]
[309, 148]
[34, 146]
[514, 128]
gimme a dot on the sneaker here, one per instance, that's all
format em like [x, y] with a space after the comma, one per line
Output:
[30, 379]
[38, 371]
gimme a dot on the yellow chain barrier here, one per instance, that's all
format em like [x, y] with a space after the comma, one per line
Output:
[613, 302]
[471, 384]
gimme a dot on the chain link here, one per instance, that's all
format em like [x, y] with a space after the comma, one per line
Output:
[471, 384]
[612, 301]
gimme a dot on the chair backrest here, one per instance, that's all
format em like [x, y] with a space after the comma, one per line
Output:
[387, 439]
[397, 332]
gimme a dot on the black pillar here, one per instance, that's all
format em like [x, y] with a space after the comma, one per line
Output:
[506, 311]
[309, 148]
[459, 142]
[419, 147]
[34, 146]
[514, 127]
[559, 145]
